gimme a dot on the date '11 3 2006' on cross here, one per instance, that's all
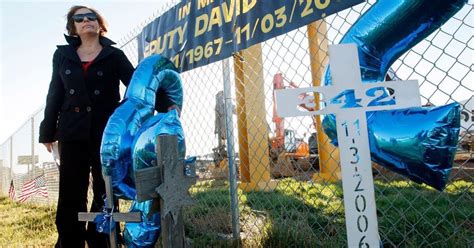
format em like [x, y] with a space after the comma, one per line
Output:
[352, 133]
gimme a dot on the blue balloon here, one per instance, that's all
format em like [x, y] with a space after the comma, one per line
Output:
[425, 142]
[129, 138]
[145, 233]
[144, 145]
[154, 74]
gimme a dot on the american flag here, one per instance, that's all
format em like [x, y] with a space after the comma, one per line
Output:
[11, 190]
[33, 187]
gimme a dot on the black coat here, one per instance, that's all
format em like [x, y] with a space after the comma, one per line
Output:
[78, 105]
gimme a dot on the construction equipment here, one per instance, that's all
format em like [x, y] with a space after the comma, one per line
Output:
[465, 147]
[220, 169]
[220, 152]
[466, 135]
[289, 155]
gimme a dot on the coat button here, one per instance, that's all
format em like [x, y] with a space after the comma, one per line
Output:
[96, 92]
[88, 109]
[100, 73]
[67, 71]
[77, 109]
[72, 91]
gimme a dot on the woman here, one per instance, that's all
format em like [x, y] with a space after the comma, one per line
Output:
[83, 93]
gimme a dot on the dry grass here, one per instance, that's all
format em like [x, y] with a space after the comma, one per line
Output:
[296, 214]
[26, 225]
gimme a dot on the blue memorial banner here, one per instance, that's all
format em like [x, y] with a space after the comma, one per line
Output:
[198, 32]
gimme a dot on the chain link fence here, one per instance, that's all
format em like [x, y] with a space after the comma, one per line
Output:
[286, 199]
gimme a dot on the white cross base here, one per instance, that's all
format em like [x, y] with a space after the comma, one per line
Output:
[349, 99]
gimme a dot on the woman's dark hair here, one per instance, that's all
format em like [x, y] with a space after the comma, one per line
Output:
[71, 29]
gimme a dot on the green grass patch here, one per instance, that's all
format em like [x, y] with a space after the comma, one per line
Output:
[295, 214]
[301, 214]
[24, 225]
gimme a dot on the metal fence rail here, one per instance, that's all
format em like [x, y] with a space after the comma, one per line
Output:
[298, 201]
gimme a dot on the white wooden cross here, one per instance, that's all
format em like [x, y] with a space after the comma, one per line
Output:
[349, 99]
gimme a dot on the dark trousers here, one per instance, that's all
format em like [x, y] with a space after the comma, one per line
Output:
[78, 159]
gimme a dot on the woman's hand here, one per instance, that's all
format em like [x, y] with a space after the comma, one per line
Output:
[49, 146]
[174, 106]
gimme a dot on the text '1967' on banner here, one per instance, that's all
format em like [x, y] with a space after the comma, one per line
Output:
[198, 32]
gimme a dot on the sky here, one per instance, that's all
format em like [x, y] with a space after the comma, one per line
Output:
[30, 31]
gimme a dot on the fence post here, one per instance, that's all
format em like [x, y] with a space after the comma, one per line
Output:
[11, 157]
[33, 161]
[234, 201]
[328, 154]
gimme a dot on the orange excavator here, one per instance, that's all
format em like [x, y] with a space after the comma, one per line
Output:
[289, 155]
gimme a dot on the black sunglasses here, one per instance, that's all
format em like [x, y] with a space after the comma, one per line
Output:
[80, 17]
